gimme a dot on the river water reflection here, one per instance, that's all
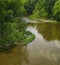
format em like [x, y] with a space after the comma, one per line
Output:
[44, 50]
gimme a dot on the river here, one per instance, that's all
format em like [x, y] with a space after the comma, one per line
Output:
[44, 50]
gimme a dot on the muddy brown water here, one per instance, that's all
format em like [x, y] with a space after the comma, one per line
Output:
[44, 50]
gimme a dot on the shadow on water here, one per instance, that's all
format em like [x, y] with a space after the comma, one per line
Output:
[50, 31]
[15, 56]
[7, 50]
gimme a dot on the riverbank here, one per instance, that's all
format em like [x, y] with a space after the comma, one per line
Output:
[25, 39]
[30, 37]
[30, 19]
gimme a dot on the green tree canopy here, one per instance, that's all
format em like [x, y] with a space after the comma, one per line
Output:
[56, 10]
[10, 14]
[30, 5]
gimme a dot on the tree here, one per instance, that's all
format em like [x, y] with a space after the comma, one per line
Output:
[44, 8]
[10, 11]
[56, 10]
[30, 5]
[49, 7]
[39, 10]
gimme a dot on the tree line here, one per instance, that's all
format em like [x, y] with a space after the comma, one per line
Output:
[48, 9]
[12, 28]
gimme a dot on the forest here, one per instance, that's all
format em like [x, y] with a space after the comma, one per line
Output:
[47, 9]
[13, 28]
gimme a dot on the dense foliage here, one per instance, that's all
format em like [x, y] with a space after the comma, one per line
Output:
[44, 9]
[30, 6]
[11, 27]
[56, 10]
[48, 9]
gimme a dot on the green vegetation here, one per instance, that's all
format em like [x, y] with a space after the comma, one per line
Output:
[30, 6]
[43, 9]
[12, 28]
[10, 10]
[56, 10]
[29, 37]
